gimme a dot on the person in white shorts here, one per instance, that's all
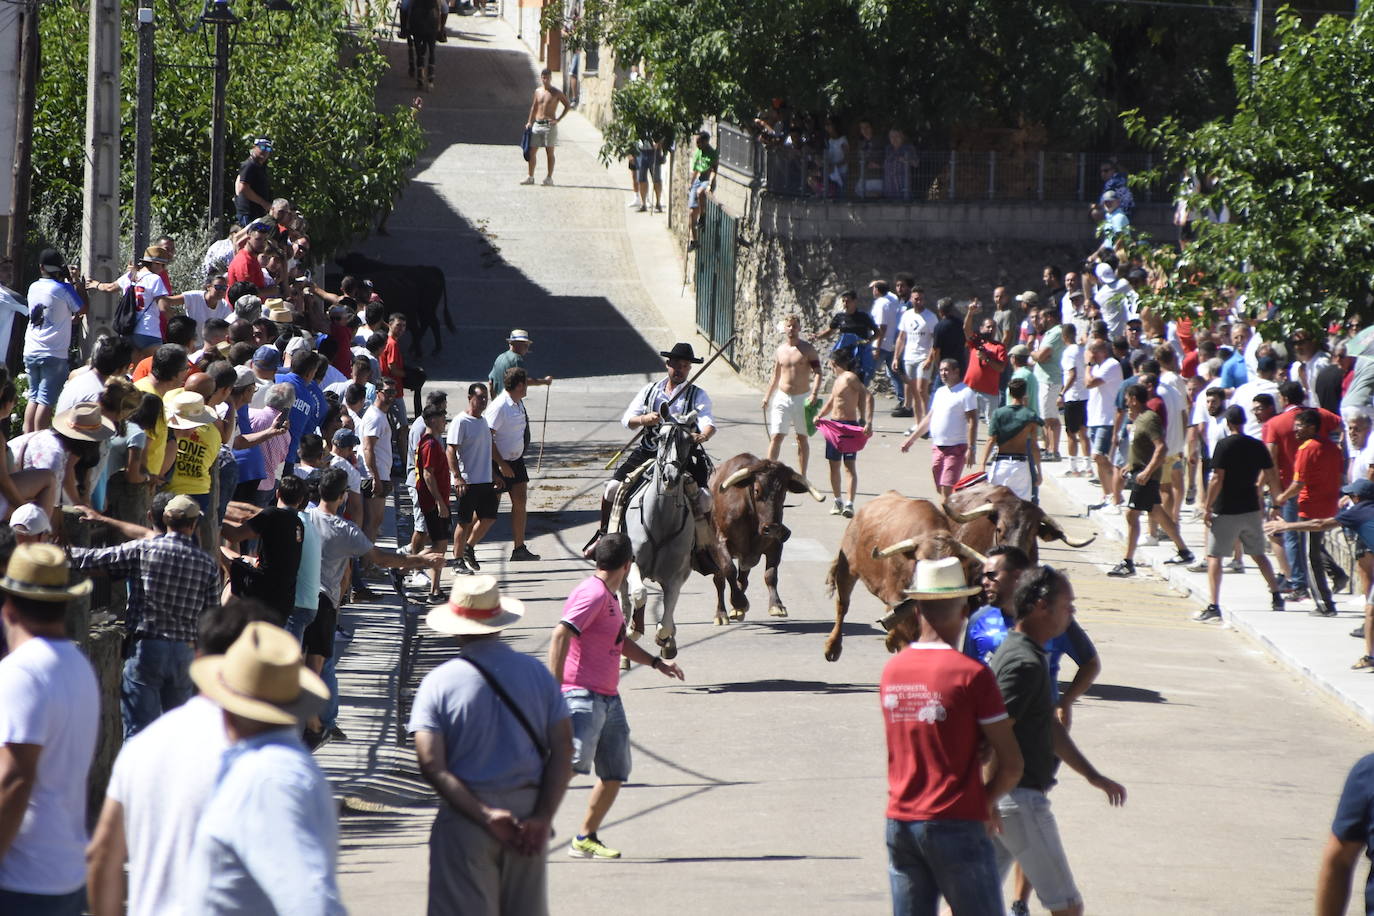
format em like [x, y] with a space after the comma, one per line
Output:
[796, 381]
[914, 346]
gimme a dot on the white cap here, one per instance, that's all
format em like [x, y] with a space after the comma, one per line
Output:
[29, 519]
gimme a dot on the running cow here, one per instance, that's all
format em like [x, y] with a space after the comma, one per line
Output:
[414, 290]
[747, 503]
[987, 515]
[880, 548]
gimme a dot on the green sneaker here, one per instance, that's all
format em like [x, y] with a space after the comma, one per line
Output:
[589, 847]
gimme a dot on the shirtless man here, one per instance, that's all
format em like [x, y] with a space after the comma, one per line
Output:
[850, 403]
[1012, 429]
[543, 122]
[796, 374]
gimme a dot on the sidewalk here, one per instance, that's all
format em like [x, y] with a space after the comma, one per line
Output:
[1318, 649]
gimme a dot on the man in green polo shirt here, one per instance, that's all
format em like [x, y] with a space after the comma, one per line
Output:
[704, 161]
[519, 343]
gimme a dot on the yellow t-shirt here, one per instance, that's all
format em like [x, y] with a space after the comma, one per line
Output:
[156, 450]
[196, 454]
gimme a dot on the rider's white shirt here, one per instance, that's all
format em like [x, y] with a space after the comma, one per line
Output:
[652, 397]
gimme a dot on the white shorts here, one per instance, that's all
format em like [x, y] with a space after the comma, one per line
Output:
[915, 370]
[1014, 475]
[544, 133]
[1048, 398]
[787, 413]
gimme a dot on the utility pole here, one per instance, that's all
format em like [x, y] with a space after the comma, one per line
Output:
[100, 253]
[21, 181]
[222, 19]
[1257, 40]
[143, 128]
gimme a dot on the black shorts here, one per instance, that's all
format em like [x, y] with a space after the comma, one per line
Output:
[1144, 496]
[370, 489]
[480, 499]
[437, 527]
[318, 638]
[520, 476]
[1075, 415]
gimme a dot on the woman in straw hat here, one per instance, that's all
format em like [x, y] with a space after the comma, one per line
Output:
[151, 292]
[18, 486]
[268, 840]
[499, 758]
[75, 436]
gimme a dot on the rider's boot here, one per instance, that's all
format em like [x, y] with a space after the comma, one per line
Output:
[590, 546]
[704, 555]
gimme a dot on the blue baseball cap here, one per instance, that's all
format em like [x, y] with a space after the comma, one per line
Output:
[267, 355]
[1360, 489]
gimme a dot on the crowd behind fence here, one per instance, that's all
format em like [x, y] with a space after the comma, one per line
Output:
[879, 172]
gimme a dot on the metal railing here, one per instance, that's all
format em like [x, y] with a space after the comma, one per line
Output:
[908, 175]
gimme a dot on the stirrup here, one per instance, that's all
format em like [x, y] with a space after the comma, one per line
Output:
[588, 547]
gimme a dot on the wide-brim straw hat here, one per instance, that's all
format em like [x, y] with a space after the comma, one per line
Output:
[84, 421]
[261, 677]
[475, 607]
[938, 579]
[157, 255]
[187, 410]
[41, 572]
[519, 335]
[281, 316]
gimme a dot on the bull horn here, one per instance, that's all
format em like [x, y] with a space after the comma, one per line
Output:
[961, 518]
[738, 477]
[891, 549]
[967, 551]
[1057, 533]
[815, 494]
[1076, 544]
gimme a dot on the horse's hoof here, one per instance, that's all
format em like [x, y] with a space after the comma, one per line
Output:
[635, 635]
[720, 620]
[738, 613]
[624, 663]
[669, 650]
[832, 652]
[777, 610]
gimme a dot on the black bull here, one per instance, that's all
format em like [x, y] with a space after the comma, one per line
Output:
[414, 290]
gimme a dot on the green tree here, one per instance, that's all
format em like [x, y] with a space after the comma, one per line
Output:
[338, 158]
[1293, 166]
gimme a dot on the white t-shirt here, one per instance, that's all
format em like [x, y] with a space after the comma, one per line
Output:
[375, 423]
[1117, 302]
[919, 328]
[471, 438]
[80, 388]
[52, 304]
[355, 477]
[507, 421]
[1244, 398]
[949, 409]
[1176, 420]
[163, 777]
[887, 310]
[1359, 465]
[1073, 361]
[197, 309]
[413, 437]
[149, 288]
[49, 697]
[1102, 399]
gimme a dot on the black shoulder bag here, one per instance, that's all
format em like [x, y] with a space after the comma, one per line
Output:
[510, 704]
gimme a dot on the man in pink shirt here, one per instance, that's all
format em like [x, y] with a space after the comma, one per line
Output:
[584, 656]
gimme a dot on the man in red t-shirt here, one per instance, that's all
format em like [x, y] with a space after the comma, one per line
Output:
[391, 361]
[938, 704]
[1317, 478]
[986, 360]
[432, 483]
[245, 266]
[1278, 433]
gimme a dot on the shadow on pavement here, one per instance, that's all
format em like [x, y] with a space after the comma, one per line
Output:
[780, 685]
[1123, 694]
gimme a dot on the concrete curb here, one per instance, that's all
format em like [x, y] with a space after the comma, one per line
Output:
[1303, 644]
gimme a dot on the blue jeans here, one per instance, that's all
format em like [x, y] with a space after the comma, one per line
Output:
[1293, 547]
[228, 482]
[14, 903]
[301, 617]
[927, 860]
[895, 376]
[157, 677]
[47, 377]
[343, 638]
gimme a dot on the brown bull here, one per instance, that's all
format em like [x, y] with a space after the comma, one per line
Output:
[880, 548]
[747, 496]
[987, 515]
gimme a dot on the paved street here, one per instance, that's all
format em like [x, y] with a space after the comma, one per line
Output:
[759, 783]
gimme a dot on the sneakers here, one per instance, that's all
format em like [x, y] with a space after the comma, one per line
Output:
[1122, 570]
[635, 204]
[1276, 603]
[692, 245]
[848, 510]
[1210, 612]
[470, 559]
[1190, 497]
[1340, 579]
[1112, 509]
[1297, 594]
[1020, 908]
[1358, 632]
[1322, 611]
[529, 180]
[1366, 662]
[641, 209]
[1097, 507]
[589, 847]
[838, 507]
[523, 554]
[1236, 566]
[1150, 540]
[658, 208]
[417, 580]
[548, 181]
[1182, 558]
[902, 412]
[1199, 567]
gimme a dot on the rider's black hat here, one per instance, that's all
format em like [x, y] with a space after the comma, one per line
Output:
[681, 351]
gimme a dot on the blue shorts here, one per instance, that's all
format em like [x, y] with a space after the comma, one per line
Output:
[47, 375]
[600, 733]
[647, 163]
[694, 194]
[1101, 438]
[144, 341]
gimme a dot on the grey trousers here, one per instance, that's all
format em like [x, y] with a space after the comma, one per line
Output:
[472, 874]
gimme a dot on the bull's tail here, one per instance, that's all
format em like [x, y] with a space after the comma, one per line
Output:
[443, 291]
[832, 576]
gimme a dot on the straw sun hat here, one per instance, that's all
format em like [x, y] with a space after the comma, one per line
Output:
[261, 677]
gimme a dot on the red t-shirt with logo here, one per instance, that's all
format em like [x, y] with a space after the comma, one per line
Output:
[1320, 467]
[1278, 432]
[982, 378]
[429, 455]
[934, 702]
[245, 268]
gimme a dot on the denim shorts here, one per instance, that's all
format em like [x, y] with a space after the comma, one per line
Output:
[47, 375]
[927, 860]
[600, 733]
[694, 193]
[1031, 837]
[1101, 438]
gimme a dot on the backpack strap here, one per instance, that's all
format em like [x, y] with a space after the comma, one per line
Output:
[510, 704]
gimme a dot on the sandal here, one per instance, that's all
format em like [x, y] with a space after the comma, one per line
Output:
[1365, 662]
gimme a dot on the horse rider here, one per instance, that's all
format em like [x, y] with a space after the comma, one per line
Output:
[645, 413]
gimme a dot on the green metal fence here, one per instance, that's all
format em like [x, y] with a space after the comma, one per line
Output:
[715, 277]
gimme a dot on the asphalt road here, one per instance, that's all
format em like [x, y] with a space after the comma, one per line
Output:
[759, 782]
